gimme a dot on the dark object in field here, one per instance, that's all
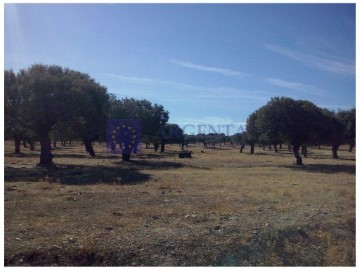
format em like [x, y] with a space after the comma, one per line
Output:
[125, 157]
[185, 155]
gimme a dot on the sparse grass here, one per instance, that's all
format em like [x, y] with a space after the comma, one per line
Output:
[219, 208]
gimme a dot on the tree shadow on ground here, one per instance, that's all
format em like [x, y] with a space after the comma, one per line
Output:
[152, 164]
[324, 168]
[158, 155]
[77, 175]
[23, 155]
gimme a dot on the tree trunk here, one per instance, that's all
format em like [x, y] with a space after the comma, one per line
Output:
[32, 145]
[304, 151]
[17, 145]
[45, 154]
[334, 150]
[351, 146]
[54, 144]
[125, 157]
[162, 147]
[289, 147]
[24, 144]
[242, 148]
[275, 147]
[280, 146]
[89, 147]
[296, 154]
[156, 146]
[252, 149]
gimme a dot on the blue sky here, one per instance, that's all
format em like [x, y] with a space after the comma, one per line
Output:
[207, 64]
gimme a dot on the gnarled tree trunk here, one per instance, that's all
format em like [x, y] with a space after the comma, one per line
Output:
[45, 154]
[296, 154]
[275, 148]
[89, 147]
[242, 148]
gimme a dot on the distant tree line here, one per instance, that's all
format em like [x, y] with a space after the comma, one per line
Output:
[209, 140]
[51, 104]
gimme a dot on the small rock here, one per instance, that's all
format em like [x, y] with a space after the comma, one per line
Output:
[117, 213]
[217, 228]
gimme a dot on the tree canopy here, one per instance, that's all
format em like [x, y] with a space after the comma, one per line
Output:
[299, 123]
[45, 97]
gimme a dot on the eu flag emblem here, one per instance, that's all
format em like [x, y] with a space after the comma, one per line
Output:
[124, 136]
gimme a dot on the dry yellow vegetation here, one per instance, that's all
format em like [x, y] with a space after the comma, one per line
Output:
[218, 208]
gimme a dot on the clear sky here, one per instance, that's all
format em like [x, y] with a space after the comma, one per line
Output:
[208, 64]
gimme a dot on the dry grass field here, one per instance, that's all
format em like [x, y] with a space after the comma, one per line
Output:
[218, 208]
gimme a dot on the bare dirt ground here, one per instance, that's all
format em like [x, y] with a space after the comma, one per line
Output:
[218, 208]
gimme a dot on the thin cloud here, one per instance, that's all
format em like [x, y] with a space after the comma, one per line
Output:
[222, 71]
[325, 63]
[309, 89]
[216, 94]
[146, 81]
[336, 107]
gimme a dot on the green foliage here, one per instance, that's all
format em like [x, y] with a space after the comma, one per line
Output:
[13, 106]
[252, 135]
[174, 133]
[153, 116]
[47, 99]
[348, 119]
[285, 119]
[237, 138]
[89, 108]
